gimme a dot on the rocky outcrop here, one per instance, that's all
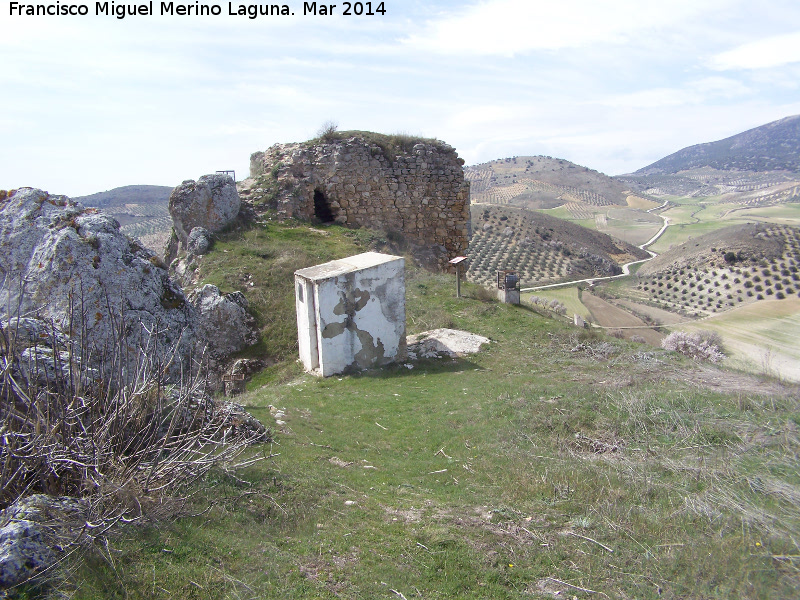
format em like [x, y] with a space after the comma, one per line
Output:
[34, 533]
[414, 190]
[211, 202]
[73, 268]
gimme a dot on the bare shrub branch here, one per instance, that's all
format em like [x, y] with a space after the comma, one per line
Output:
[103, 424]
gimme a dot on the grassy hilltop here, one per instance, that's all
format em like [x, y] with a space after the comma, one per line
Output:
[556, 463]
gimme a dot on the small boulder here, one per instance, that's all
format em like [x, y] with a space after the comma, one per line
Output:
[34, 533]
[199, 241]
[444, 343]
[223, 320]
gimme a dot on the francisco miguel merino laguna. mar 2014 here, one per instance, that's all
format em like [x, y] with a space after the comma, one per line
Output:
[120, 11]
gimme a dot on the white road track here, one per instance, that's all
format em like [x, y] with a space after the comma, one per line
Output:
[626, 268]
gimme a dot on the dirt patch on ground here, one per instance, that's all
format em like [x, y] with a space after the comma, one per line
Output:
[610, 316]
[664, 316]
[725, 381]
[601, 443]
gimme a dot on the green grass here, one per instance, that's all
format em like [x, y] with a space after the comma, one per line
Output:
[631, 225]
[563, 213]
[761, 337]
[390, 144]
[552, 455]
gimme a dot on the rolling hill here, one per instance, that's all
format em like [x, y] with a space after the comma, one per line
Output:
[541, 182]
[543, 249]
[724, 269]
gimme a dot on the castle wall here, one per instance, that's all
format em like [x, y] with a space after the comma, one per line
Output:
[420, 194]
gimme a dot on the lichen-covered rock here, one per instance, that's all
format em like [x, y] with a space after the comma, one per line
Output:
[223, 320]
[72, 266]
[33, 534]
[44, 366]
[211, 202]
[199, 241]
[22, 333]
[41, 354]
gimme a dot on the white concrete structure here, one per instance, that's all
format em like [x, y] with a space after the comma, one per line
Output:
[508, 296]
[351, 313]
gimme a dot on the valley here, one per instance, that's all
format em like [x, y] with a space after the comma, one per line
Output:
[689, 219]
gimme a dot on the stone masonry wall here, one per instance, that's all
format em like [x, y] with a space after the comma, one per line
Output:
[420, 194]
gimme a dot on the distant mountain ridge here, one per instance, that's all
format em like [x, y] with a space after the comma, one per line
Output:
[771, 147]
[128, 194]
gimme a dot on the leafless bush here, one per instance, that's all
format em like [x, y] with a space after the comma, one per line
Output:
[699, 346]
[327, 133]
[116, 436]
[595, 348]
[553, 305]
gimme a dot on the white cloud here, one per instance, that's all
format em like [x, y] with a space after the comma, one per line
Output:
[509, 27]
[692, 93]
[766, 53]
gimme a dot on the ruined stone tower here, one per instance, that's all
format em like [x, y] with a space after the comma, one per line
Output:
[406, 187]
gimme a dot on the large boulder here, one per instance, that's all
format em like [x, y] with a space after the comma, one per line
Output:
[73, 267]
[211, 202]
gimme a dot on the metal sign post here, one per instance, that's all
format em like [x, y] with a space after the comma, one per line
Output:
[456, 262]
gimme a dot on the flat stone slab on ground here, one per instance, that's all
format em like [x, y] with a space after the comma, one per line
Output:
[444, 342]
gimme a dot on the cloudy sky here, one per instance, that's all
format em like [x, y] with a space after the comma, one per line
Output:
[93, 102]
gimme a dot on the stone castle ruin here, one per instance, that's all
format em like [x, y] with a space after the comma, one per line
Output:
[412, 189]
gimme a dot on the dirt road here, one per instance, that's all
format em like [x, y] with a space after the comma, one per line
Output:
[608, 315]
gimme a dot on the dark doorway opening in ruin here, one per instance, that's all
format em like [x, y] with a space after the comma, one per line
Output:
[322, 208]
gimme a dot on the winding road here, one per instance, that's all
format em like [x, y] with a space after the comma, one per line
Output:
[626, 268]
